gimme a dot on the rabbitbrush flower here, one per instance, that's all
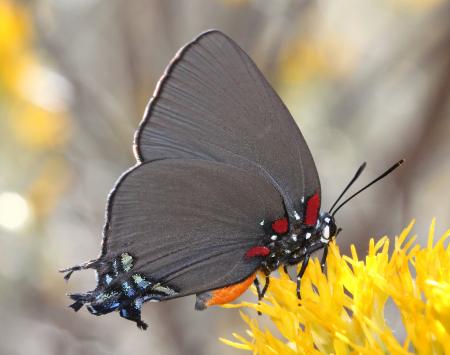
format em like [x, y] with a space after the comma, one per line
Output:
[344, 311]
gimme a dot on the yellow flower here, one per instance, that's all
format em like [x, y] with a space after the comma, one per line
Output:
[343, 312]
[37, 128]
[14, 53]
[312, 58]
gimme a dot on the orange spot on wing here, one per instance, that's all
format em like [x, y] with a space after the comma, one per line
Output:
[230, 293]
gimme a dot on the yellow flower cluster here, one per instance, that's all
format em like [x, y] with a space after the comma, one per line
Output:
[344, 312]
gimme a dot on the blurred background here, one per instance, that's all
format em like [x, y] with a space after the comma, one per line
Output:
[365, 80]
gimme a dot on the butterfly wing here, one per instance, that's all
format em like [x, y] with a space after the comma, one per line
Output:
[214, 104]
[177, 227]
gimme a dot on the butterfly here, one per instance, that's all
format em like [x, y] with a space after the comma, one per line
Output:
[224, 186]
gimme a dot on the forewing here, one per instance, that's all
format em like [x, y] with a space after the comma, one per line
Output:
[214, 104]
[188, 223]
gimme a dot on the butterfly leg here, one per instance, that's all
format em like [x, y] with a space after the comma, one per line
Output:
[258, 290]
[261, 293]
[300, 274]
[324, 258]
[266, 286]
[285, 269]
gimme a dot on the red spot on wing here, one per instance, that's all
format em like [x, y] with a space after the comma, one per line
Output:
[257, 251]
[312, 210]
[280, 226]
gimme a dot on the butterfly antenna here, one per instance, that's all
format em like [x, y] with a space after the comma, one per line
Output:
[387, 172]
[357, 174]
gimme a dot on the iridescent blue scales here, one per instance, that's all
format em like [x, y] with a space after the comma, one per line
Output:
[119, 289]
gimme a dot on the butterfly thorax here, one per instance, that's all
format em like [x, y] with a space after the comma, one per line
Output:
[289, 243]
